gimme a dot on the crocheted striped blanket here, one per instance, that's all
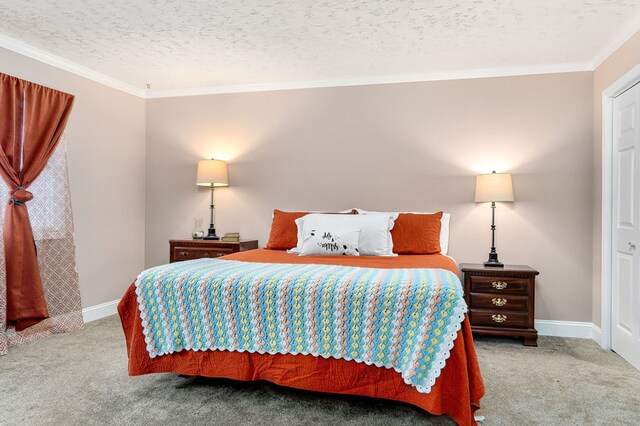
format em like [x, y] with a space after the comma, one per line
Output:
[405, 319]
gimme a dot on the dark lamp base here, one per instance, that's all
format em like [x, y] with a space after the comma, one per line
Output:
[493, 259]
[211, 234]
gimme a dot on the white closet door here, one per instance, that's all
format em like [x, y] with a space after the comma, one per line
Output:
[626, 232]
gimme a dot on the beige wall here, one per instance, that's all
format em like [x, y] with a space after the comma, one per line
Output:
[413, 146]
[616, 65]
[106, 157]
[404, 146]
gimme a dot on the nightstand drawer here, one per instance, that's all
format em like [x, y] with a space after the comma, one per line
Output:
[501, 285]
[500, 319]
[190, 253]
[499, 302]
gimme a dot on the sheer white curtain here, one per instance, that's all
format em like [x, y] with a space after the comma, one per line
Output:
[52, 224]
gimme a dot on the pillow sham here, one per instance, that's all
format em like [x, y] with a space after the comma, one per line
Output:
[444, 226]
[284, 233]
[329, 242]
[375, 236]
[417, 233]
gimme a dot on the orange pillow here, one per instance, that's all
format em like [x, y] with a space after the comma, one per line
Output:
[284, 231]
[416, 233]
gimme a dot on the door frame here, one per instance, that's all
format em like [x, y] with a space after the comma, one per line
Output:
[623, 83]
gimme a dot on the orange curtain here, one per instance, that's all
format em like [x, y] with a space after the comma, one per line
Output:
[32, 120]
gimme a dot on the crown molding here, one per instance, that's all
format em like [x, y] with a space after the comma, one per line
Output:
[365, 81]
[616, 43]
[61, 63]
[66, 65]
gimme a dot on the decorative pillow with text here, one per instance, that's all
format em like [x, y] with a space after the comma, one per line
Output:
[325, 242]
[375, 235]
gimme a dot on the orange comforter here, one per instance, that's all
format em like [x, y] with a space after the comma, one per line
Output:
[457, 392]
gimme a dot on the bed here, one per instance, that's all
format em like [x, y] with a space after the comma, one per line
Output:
[456, 392]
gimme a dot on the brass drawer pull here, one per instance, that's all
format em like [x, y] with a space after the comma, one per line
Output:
[219, 254]
[499, 285]
[499, 302]
[184, 253]
[204, 254]
[499, 318]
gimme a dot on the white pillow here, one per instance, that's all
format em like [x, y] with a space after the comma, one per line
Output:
[330, 242]
[444, 226]
[375, 235]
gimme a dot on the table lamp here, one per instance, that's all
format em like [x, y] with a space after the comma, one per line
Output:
[212, 173]
[494, 187]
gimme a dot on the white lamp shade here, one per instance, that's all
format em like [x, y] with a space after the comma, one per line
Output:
[494, 187]
[212, 173]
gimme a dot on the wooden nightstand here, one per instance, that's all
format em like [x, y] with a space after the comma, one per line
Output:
[501, 300]
[197, 249]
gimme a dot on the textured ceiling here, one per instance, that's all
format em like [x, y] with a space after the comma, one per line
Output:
[204, 43]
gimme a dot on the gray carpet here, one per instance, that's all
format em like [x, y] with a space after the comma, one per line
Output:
[80, 379]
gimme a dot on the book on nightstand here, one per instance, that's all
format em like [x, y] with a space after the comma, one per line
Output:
[231, 237]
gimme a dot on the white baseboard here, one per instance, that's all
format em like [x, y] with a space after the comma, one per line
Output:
[580, 330]
[597, 336]
[102, 310]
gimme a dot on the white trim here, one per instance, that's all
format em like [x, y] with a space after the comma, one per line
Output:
[102, 310]
[580, 330]
[607, 221]
[597, 336]
[616, 43]
[66, 65]
[364, 81]
[619, 86]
